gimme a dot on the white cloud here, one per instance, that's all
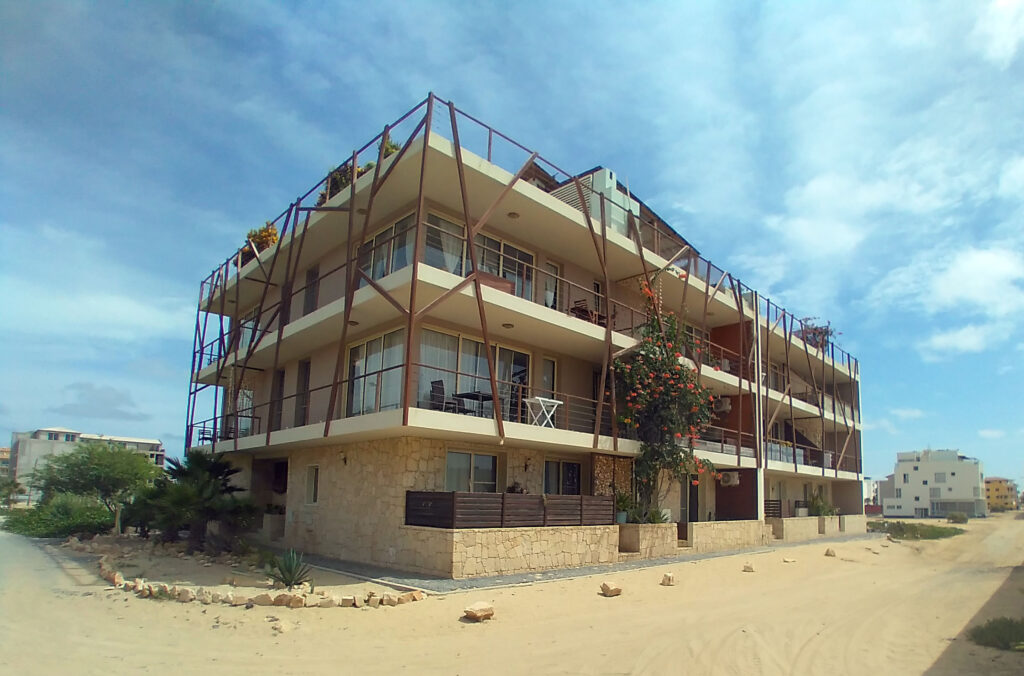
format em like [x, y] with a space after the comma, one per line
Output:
[991, 434]
[999, 31]
[907, 413]
[1011, 179]
[969, 339]
[983, 280]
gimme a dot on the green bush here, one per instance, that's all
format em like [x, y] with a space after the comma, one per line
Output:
[913, 531]
[62, 516]
[1004, 633]
[290, 571]
[956, 517]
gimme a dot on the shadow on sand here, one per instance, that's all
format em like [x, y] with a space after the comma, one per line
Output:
[964, 657]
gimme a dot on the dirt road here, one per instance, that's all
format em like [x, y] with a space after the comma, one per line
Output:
[895, 609]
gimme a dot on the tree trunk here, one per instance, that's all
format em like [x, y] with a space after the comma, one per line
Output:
[117, 519]
[196, 535]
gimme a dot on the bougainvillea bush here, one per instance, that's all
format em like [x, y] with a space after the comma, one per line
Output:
[663, 403]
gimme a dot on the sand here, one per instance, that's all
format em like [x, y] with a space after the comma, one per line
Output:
[873, 609]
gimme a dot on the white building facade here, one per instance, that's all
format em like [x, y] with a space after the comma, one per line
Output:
[936, 483]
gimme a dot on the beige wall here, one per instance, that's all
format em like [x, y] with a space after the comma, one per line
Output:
[714, 536]
[794, 529]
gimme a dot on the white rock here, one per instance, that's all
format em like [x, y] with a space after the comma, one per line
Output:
[830, 552]
[668, 579]
[748, 568]
[610, 589]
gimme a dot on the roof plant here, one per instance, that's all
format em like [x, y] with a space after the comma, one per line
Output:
[262, 238]
[663, 403]
[341, 177]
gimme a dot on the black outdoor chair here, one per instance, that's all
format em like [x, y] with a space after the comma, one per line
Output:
[438, 401]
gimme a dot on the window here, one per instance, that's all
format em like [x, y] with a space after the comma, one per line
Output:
[69, 437]
[924, 482]
[375, 374]
[915, 468]
[312, 484]
[302, 394]
[917, 498]
[949, 489]
[977, 492]
[312, 291]
[899, 492]
[459, 365]
[599, 297]
[52, 436]
[276, 400]
[940, 477]
[388, 251]
[445, 245]
[952, 474]
[935, 492]
[553, 273]
[474, 472]
[547, 378]
[906, 478]
[562, 478]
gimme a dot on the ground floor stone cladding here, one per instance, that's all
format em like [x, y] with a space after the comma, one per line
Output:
[502, 551]
[716, 536]
[794, 528]
[853, 523]
[651, 540]
[828, 525]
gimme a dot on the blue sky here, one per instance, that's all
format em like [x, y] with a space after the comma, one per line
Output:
[860, 162]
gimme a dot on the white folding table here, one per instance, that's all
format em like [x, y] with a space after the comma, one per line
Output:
[542, 410]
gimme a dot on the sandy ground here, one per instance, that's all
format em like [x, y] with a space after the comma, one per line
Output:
[901, 610]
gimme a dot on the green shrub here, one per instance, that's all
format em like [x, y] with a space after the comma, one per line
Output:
[913, 531]
[290, 571]
[62, 516]
[956, 517]
[1004, 633]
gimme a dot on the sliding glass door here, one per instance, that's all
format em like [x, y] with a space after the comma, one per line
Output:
[375, 374]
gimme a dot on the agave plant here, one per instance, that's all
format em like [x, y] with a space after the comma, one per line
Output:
[290, 571]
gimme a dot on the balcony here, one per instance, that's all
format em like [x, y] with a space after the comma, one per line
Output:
[809, 456]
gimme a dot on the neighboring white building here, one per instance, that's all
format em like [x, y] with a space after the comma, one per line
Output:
[935, 483]
[29, 449]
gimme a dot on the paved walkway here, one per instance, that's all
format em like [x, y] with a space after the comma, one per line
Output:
[439, 585]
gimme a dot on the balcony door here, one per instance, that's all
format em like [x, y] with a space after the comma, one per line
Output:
[375, 374]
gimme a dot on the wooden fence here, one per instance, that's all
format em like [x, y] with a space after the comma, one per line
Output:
[505, 510]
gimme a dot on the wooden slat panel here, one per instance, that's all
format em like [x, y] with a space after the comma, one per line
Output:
[522, 510]
[598, 510]
[431, 509]
[562, 510]
[477, 510]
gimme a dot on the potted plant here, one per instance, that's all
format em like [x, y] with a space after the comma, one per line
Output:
[623, 503]
[262, 238]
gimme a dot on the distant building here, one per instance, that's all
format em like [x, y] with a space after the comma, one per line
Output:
[29, 449]
[934, 483]
[1000, 494]
[5, 462]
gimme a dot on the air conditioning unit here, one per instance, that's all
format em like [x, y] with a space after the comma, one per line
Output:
[730, 478]
[723, 405]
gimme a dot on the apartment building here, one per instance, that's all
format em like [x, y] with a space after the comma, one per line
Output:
[5, 462]
[418, 372]
[29, 449]
[935, 483]
[1001, 494]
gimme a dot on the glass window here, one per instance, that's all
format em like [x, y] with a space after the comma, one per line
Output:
[471, 472]
[445, 242]
[547, 378]
[488, 254]
[375, 374]
[405, 241]
[940, 477]
[562, 478]
[551, 285]
[517, 267]
[439, 356]
[312, 291]
[302, 394]
[312, 484]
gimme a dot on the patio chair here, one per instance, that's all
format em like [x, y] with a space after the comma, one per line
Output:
[439, 402]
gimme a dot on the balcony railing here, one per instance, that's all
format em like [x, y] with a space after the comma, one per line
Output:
[810, 456]
[457, 509]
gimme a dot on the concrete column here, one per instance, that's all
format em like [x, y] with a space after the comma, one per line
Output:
[760, 494]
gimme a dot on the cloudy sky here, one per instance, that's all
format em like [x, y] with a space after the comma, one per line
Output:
[861, 162]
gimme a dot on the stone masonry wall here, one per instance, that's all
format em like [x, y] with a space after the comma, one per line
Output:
[715, 536]
[828, 525]
[651, 540]
[502, 551]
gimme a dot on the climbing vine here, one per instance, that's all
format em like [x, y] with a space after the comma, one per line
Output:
[663, 403]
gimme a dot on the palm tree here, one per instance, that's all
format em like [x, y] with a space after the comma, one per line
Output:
[10, 489]
[199, 490]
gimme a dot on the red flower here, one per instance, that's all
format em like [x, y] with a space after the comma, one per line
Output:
[695, 482]
[717, 369]
[689, 386]
[679, 435]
